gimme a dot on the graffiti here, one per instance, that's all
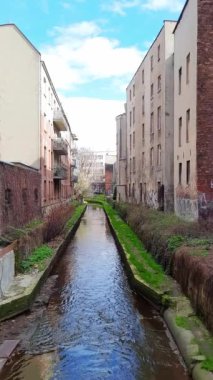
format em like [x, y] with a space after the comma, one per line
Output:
[202, 202]
[152, 199]
[187, 208]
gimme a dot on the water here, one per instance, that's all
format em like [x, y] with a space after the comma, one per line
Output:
[94, 327]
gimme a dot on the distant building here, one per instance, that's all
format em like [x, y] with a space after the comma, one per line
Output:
[121, 162]
[109, 173]
[33, 126]
[193, 111]
[150, 125]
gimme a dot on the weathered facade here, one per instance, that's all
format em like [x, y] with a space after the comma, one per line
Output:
[150, 118]
[34, 129]
[193, 73]
[20, 195]
[121, 162]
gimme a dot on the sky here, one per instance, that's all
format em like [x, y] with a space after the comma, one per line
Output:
[92, 49]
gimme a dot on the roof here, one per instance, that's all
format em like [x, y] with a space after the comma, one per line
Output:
[181, 15]
[22, 35]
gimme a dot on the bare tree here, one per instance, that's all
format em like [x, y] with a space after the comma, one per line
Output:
[86, 160]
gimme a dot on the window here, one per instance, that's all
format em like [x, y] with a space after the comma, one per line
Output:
[187, 124]
[8, 197]
[152, 123]
[142, 76]
[180, 81]
[45, 190]
[159, 119]
[130, 118]
[141, 192]
[133, 115]
[36, 195]
[180, 132]
[188, 68]
[159, 155]
[130, 95]
[133, 164]
[133, 138]
[158, 53]
[143, 105]
[130, 165]
[180, 173]
[187, 172]
[152, 90]
[24, 196]
[143, 132]
[159, 83]
[129, 190]
[151, 62]
[133, 190]
[120, 143]
[130, 143]
[152, 157]
[133, 90]
[143, 159]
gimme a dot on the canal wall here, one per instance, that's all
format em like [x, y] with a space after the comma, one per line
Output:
[27, 286]
[192, 338]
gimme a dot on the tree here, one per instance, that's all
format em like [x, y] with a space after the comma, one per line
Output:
[86, 160]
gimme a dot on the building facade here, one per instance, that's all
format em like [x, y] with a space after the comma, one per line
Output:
[33, 126]
[121, 162]
[193, 115]
[150, 109]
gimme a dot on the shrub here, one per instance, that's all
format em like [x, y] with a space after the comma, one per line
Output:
[55, 221]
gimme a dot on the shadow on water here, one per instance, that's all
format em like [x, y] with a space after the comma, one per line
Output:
[95, 327]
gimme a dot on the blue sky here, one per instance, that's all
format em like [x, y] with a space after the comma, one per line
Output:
[92, 49]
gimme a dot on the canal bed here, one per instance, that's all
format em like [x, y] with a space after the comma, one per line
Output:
[95, 327]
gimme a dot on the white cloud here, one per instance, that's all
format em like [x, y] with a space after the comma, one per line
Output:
[93, 120]
[80, 53]
[170, 5]
[121, 6]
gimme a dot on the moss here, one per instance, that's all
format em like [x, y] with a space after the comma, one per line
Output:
[75, 216]
[207, 364]
[182, 322]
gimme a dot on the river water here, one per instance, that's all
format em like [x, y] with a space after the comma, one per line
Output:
[95, 327]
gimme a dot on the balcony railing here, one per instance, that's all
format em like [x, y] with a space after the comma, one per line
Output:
[60, 146]
[59, 120]
[60, 172]
[73, 163]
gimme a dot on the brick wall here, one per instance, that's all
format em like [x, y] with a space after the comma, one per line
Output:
[20, 195]
[205, 109]
[108, 179]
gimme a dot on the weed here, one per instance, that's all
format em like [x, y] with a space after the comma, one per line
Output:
[175, 242]
[208, 364]
[37, 258]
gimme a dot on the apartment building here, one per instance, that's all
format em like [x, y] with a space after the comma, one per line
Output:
[193, 111]
[33, 126]
[150, 125]
[121, 162]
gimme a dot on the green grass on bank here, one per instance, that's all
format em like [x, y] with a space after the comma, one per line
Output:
[146, 267]
[37, 259]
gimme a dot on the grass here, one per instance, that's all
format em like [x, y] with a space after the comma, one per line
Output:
[36, 259]
[207, 364]
[146, 267]
[182, 322]
[75, 216]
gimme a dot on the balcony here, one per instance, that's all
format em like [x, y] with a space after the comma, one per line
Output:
[60, 146]
[60, 120]
[60, 172]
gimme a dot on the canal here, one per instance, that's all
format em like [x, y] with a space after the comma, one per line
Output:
[95, 327]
